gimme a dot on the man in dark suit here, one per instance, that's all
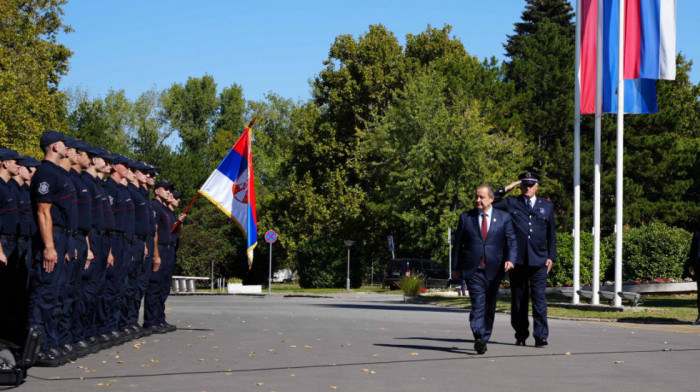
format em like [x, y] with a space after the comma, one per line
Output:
[485, 247]
[693, 264]
[533, 219]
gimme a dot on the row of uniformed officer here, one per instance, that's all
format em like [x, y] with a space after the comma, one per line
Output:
[16, 229]
[89, 262]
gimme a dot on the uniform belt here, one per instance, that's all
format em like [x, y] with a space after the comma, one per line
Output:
[24, 237]
[11, 237]
[140, 237]
[130, 241]
[166, 246]
[98, 232]
[83, 233]
[113, 233]
[60, 230]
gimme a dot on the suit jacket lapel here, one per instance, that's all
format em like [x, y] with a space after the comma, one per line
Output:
[495, 220]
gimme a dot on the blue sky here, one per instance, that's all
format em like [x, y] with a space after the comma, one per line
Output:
[266, 45]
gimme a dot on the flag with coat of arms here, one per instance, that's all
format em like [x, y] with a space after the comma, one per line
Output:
[231, 187]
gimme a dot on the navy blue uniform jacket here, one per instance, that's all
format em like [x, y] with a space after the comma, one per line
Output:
[500, 245]
[536, 231]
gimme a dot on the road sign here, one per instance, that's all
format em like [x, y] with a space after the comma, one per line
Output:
[270, 236]
[390, 239]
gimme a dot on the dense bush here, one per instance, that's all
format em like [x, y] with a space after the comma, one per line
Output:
[652, 251]
[563, 269]
[648, 252]
[322, 262]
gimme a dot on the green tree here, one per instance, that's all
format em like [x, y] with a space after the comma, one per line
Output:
[428, 158]
[191, 110]
[32, 63]
[540, 67]
[229, 123]
[107, 122]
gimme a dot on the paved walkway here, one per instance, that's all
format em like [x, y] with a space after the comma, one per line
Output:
[371, 342]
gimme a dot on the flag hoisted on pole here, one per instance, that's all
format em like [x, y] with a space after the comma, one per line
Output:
[632, 43]
[649, 52]
[231, 187]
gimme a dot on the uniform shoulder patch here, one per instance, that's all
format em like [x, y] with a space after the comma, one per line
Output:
[43, 188]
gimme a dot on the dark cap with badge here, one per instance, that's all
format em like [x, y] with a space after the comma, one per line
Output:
[28, 162]
[69, 141]
[98, 152]
[8, 154]
[529, 178]
[81, 146]
[140, 166]
[177, 195]
[50, 137]
[163, 184]
[119, 159]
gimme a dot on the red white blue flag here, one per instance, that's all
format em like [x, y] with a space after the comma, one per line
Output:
[231, 187]
[650, 52]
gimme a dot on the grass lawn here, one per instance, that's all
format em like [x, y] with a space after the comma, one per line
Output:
[654, 308]
[294, 288]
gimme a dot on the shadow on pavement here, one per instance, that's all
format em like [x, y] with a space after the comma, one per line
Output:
[420, 308]
[653, 320]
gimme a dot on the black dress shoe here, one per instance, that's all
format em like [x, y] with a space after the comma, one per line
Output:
[117, 338]
[95, 344]
[138, 331]
[70, 352]
[147, 331]
[46, 359]
[58, 354]
[82, 348]
[519, 342]
[171, 327]
[159, 329]
[129, 334]
[539, 342]
[480, 346]
[106, 341]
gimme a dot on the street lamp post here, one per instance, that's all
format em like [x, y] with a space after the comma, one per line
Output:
[348, 243]
[213, 257]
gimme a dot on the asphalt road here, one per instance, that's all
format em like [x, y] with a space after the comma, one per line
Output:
[365, 342]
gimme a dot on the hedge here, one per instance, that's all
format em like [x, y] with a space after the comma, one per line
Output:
[651, 251]
[562, 271]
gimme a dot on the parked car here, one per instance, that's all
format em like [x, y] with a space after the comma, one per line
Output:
[284, 276]
[435, 275]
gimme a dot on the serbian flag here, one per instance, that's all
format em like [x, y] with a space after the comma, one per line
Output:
[650, 52]
[231, 187]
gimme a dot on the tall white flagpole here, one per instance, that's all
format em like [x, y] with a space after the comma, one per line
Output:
[596, 153]
[577, 161]
[620, 156]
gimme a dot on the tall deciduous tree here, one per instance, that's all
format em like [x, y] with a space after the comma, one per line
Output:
[32, 63]
[107, 122]
[191, 110]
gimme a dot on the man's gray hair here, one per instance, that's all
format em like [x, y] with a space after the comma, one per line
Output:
[487, 186]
